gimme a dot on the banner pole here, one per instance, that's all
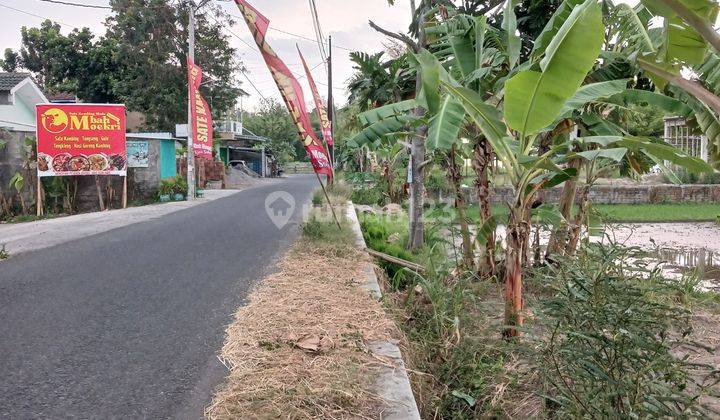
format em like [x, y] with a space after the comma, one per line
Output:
[99, 193]
[327, 197]
[124, 196]
[39, 203]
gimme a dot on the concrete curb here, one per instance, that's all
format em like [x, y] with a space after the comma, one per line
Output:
[393, 384]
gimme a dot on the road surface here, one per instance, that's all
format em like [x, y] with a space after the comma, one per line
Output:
[127, 323]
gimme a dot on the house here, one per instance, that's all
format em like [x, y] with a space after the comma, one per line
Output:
[239, 148]
[18, 96]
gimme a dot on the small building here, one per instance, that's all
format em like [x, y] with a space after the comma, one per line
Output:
[685, 137]
[151, 157]
[18, 96]
[239, 147]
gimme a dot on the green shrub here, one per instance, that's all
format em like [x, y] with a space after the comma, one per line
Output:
[436, 181]
[367, 196]
[181, 185]
[318, 198]
[167, 186]
[612, 323]
[687, 177]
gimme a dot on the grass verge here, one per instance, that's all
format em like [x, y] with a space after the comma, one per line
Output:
[598, 336]
[297, 349]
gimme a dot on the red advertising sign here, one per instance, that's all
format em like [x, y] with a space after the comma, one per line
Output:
[202, 125]
[81, 139]
[319, 106]
[290, 89]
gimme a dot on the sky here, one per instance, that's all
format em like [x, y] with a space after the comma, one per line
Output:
[345, 20]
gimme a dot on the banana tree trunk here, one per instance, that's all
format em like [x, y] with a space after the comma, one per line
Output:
[455, 175]
[518, 234]
[417, 194]
[559, 237]
[481, 161]
[580, 220]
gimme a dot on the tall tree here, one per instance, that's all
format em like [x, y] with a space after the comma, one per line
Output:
[273, 121]
[151, 38]
[55, 59]
[11, 61]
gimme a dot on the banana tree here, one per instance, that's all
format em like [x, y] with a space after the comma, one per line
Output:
[687, 33]
[533, 99]
[18, 183]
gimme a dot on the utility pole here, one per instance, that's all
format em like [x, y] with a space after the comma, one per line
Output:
[190, 150]
[330, 106]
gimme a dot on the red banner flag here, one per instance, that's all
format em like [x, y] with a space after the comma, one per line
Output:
[290, 89]
[201, 124]
[319, 106]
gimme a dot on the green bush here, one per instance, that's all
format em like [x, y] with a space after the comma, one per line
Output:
[318, 198]
[436, 181]
[167, 186]
[367, 196]
[181, 185]
[687, 177]
[612, 323]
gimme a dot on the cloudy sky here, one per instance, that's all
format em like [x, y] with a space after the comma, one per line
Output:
[345, 20]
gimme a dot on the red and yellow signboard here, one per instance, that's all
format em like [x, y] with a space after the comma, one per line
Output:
[201, 124]
[80, 139]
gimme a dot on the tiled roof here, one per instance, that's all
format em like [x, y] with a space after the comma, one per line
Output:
[10, 80]
[61, 97]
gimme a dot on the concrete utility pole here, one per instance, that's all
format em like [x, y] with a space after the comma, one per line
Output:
[330, 106]
[190, 150]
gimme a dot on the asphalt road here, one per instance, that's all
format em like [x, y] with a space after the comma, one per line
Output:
[127, 323]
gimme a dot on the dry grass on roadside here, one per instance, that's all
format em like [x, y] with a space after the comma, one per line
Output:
[297, 349]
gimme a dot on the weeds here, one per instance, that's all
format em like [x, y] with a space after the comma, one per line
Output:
[612, 324]
[4, 254]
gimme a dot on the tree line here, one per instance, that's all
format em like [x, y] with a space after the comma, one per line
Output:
[140, 60]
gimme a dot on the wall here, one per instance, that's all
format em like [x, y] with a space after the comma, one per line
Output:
[143, 182]
[616, 194]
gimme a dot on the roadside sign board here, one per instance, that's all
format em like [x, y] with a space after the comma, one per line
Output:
[138, 152]
[81, 139]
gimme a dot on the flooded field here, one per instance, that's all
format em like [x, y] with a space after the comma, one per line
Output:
[683, 248]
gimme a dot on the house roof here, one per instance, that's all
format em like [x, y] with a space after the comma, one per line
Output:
[10, 80]
[67, 97]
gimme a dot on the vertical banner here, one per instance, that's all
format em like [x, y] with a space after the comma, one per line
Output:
[201, 124]
[81, 139]
[290, 89]
[319, 106]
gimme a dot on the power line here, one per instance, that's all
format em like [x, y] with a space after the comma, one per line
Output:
[303, 37]
[37, 16]
[314, 41]
[90, 6]
[255, 87]
[299, 76]
[318, 30]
